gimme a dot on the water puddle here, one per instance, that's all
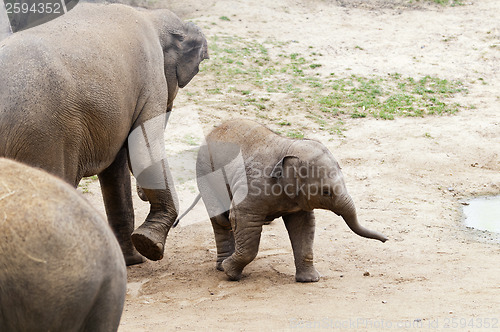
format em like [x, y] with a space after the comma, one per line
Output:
[483, 213]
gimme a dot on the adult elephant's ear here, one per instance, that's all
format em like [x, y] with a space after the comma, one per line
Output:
[184, 47]
[194, 50]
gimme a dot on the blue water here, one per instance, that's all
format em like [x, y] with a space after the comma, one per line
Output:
[483, 213]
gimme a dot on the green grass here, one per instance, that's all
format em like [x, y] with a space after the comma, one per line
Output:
[190, 140]
[451, 3]
[391, 96]
[256, 78]
[85, 182]
[295, 134]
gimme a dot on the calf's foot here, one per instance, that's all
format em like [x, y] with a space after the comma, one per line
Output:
[309, 274]
[232, 269]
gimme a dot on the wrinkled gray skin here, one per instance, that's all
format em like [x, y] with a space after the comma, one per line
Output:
[74, 88]
[61, 268]
[281, 178]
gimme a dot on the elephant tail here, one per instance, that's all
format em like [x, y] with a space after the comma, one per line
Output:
[188, 209]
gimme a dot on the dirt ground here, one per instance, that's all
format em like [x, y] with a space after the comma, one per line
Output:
[407, 176]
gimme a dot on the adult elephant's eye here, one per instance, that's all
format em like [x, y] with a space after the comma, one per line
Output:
[327, 192]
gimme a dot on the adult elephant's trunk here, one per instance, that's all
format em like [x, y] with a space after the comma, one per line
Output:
[348, 212]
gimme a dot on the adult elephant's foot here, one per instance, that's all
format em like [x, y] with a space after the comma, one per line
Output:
[131, 255]
[134, 258]
[149, 240]
[309, 274]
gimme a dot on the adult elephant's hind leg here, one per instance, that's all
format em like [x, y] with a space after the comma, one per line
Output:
[117, 195]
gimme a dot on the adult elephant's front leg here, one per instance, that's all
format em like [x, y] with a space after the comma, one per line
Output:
[117, 195]
[300, 227]
[157, 185]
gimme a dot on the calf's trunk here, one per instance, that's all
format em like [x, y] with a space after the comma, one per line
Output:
[348, 213]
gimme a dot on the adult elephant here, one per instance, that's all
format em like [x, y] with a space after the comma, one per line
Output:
[75, 88]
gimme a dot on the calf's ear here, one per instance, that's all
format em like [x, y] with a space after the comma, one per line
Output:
[278, 169]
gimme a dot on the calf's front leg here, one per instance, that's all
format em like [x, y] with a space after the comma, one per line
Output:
[300, 227]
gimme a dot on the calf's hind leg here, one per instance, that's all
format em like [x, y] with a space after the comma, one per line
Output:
[224, 238]
[247, 230]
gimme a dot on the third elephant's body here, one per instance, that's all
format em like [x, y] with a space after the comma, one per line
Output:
[61, 268]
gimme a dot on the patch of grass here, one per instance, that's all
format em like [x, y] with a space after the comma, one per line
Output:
[451, 3]
[357, 114]
[190, 140]
[263, 77]
[214, 91]
[260, 106]
[85, 182]
[224, 18]
[295, 134]
[392, 96]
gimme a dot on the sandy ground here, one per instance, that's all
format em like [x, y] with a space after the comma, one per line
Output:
[408, 178]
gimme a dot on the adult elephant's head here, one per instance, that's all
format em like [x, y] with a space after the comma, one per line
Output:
[311, 176]
[184, 48]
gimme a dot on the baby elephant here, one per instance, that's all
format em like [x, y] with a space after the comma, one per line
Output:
[248, 175]
[61, 268]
